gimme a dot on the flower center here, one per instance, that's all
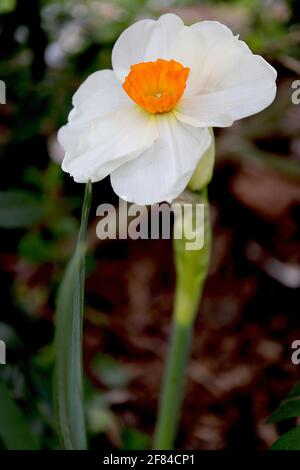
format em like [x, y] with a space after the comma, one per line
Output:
[156, 86]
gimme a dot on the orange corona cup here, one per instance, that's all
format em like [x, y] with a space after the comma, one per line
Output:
[156, 86]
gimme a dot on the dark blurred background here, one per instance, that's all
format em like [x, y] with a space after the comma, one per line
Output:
[241, 361]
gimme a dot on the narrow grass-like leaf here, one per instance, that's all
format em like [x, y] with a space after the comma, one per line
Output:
[289, 407]
[68, 390]
[14, 430]
[289, 441]
[19, 209]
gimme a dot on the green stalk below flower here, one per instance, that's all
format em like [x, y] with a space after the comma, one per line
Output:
[191, 272]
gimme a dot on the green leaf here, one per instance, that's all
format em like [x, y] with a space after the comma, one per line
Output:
[14, 430]
[9, 336]
[34, 248]
[133, 439]
[109, 371]
[99, 416]
[19, 209]
[68, 389]
[289, 441]
[289, 407]
[6, 6]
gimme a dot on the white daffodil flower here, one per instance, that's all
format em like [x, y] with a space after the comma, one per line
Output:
[146, 122]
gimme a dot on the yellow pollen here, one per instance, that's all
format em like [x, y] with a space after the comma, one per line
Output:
[156, 86]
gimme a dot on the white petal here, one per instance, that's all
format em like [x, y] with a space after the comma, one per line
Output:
[188, 50]
[105, 144]
[162, 172]
[220, 53]
[99, 94]
[222, 107]
[191, 48]
[233, 84]
[146, 40]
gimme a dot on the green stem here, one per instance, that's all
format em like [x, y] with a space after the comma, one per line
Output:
[173, 387]
[191, 271]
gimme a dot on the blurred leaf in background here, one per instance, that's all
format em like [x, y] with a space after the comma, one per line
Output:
[19, 209]
[7, 6]
[14, 428]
